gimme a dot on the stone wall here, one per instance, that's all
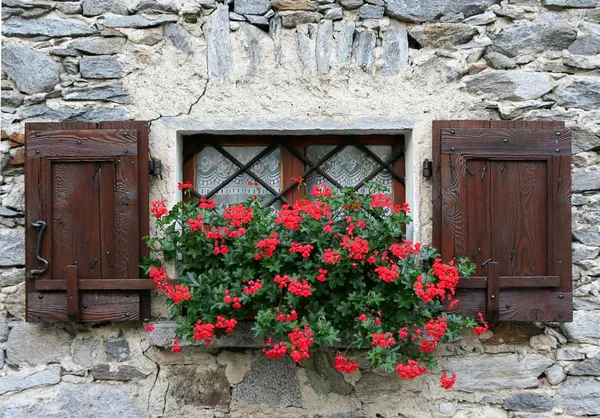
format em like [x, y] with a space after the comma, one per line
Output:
[298, 66]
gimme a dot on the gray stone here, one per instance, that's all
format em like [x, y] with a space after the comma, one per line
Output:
[251, 7]
[31, 70]
[527, 401]
[395, 48]
[571, 3]
[69, 7]
[584, 252]
[499, 61]
[546, 33]
[100, 67]
[135, 21]
[351, 4]
[368, 11]
[584, 140]
[586, 45]
[495, 372]
[335, 13]
[524, 59]
[198, 386]
[452, 18]
[439, 35]
[25, 345]
[50, 27]
[122, 372]
[155, 7]
[581, 92]
[258, 20]
[236, 17]
[589, 367]
[143, 36]
[580, 396]
[251, 37]
[99, 46]
[64, 52]
[292, 19]
[99, 7]
[16, 198]
[311, 5]
[89, 400]
[86, 351]
[12, 242]
[33, 13]
[179, 37]
[322, 377]
[568, 354]
[15, 382]
[12, 99]
[220, 60]
[12, 277]
[117, 349]
[512, 110]
[585, 180]
[322, 51]
[345, 39]
[509, 85]
[303, 43]
[482, 19]
[269, 382]
[555, 374]
[9, 213]
[589, 235]
[583, 62]
[363, 50]
[585, 327]
[424, 11]
[243, 337]
[112, 92]
[67, 114]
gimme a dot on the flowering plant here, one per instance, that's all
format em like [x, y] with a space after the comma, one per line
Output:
[333, 270]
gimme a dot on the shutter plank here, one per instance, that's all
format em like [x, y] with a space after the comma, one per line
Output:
[479, 245]
[437, 182]
[91, 143]
[106, 194]
[561, 204]
[453, 228]
[127, 227]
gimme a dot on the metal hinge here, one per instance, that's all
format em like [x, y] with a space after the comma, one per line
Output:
[154, 167]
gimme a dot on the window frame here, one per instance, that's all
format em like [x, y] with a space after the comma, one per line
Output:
[291, 165]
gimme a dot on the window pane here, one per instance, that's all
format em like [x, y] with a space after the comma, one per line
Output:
[350, 166]
[213, 168]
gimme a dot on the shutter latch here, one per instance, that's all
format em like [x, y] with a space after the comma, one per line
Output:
[154, 167]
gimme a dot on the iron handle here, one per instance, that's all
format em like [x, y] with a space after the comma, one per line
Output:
[41, 226]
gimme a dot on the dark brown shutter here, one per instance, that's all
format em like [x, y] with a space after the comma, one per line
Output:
[502, 197]
[87, 188]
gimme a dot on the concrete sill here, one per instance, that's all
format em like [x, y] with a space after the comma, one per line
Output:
[241, 337]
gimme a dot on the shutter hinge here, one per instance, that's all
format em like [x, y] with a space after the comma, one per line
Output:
[427, 168]
[154, 167]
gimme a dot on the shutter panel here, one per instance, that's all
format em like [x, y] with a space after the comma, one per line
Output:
[502, 198]
[87, 204]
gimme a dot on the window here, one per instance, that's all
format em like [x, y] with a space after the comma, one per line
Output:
[221, 167]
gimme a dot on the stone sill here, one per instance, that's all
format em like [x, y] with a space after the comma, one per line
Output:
[241, 337]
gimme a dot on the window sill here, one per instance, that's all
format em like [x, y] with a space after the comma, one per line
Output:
[241, 337]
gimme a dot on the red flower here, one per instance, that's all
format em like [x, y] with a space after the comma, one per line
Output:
[480, 329]
[186, 185]
[304, 250]
[178, 293]
[380, 200]
[410, 370]
[343, 365]
[403, 333]
[206, 204]
[237, 215]
[228, 324]
[253, 287]
[149, 327]
[268, 246]
[176, 348]
[203, 332]
[388, 274]
[383, 340]
[322, 275]
[403, 207]
[159, 209]
[293, 316]
[331, 256]
[358, 248]
[300, 340]
[446, 382]
[277, 351]
[300, 288]
[363, 318]
[196, 224]
[321, 190]
[297, 179]
[282, 281]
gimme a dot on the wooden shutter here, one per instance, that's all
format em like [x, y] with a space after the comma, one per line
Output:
[502, 197]
[87, 204]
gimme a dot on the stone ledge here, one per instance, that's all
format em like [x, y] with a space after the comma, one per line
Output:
[242, 337]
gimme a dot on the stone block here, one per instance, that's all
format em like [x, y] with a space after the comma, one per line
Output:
[588, 235]
[322, 377]
[440, 35]
[431, 10]
[121, 372]
[98, 7]
[568, 354]
[112, 92]
[585, 327]
[269, 382]
[369, 11]
[579, 395]
[496, 372]
[580, 92]
[309, 5]
[50, 27]
[88, 400]
[15, 382]
[527, 401]
[251, 7]
[99, 46]
[117, 349]
[555, 374]
[323, 43]
[220, 59]
[243, 337]
[86, 351]
[135, 21]
[12, 242]
[345, 38]
[199, 386]
[395, 48]
[588, 367]
[100, 68]
[509, 85]
[32, 71]
[292, 19]
[363, 50]
[179, 37]
[37, 344]
[571, 3]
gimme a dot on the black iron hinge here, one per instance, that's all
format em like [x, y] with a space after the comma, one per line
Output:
[154, 166]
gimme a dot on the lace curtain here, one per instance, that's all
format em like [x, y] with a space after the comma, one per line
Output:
[213, 168]
[349, 166]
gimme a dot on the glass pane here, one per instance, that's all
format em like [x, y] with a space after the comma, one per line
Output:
[350, 166]
[212, 168]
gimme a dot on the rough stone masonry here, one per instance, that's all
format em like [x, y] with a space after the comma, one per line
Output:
[298, 65]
